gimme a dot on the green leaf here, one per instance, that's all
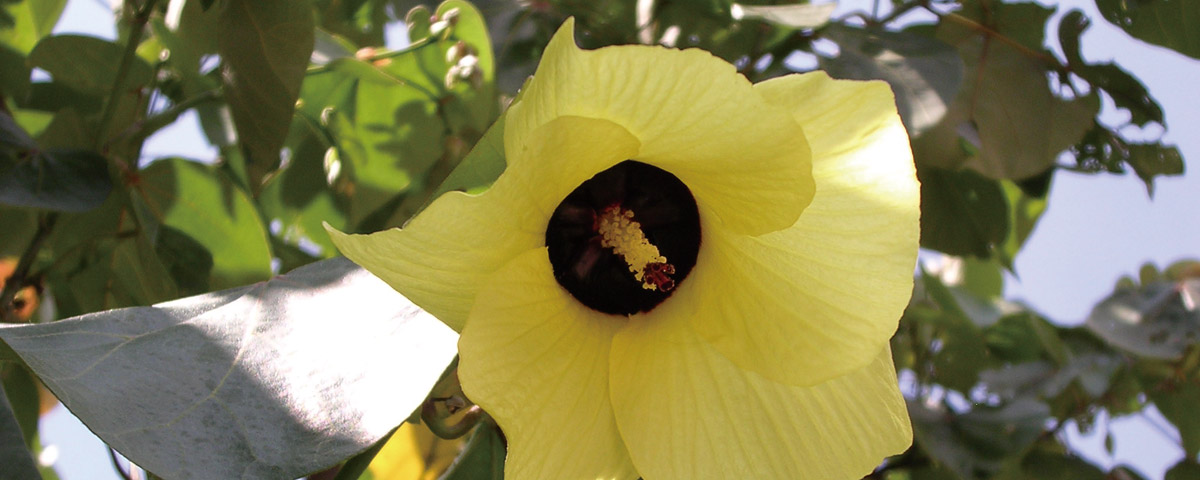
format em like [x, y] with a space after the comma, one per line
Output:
[328, 47]
[274, 380]
[190, 36]
[1024, 211]
[1168, 23]
[1178, 404]
[28, 21]
[802, 15]
[480, 168]
[963, 353]
[14, 453]
[924, 73]
[962, 213]
[54, 97]
[1186, 469]
[301, 196]
[187, 261]
[976, 444]
[482, 457]
[21, 388]
[14, 74]
[105, 258]
[13, 139]
[204, 204]
[1004, 430]
[1150, 160]
[1103, 149]
[404, 126]
[1126, 90]
[1158, 320]
[1006, 122]
[1013, 339]
[62, 180]
[395, 136]
[265, 46]
[87, 64]
[1040, 465]
[19, 226]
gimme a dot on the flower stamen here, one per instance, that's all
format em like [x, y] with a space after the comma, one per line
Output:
[620, 232]
[610, 239]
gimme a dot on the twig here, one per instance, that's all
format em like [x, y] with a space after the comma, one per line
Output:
[143, 129]
[20, 274]
[135, 37]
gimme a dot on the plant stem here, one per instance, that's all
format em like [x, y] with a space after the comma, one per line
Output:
[141, 130]
[20, 274]
[135, 37]
[417, 45]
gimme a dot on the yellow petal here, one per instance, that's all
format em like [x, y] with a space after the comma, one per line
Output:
[819, 299]
[685, 411]
[537, 361]
[745, 160]
[414, 453]
[440, 258]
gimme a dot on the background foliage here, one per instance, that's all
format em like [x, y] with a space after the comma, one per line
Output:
[316, 121]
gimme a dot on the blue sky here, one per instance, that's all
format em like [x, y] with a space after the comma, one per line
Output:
[1096, 229]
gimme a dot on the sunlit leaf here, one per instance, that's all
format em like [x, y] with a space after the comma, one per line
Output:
[1168, 23]
[924, 73]
[273, 380]
[801, 15]
[30, 21]
[402, 122]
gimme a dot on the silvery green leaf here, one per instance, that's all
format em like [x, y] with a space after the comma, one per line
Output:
[273, 380]
[1158, 320]
[924, 73]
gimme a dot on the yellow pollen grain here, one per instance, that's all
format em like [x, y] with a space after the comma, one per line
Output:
[621, 233]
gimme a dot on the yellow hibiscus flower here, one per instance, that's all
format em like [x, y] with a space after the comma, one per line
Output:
[679, 274]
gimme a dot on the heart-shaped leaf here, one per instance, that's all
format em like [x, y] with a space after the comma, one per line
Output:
[273, 380]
